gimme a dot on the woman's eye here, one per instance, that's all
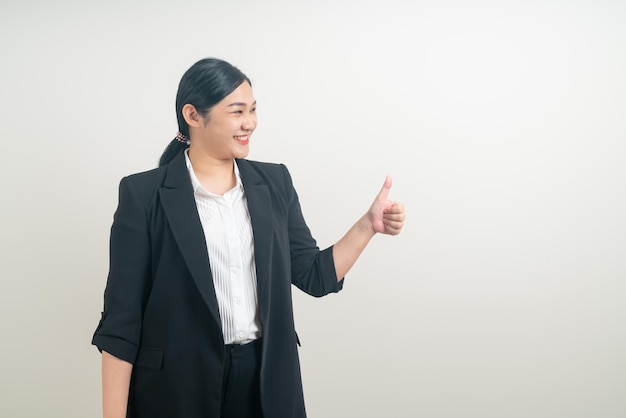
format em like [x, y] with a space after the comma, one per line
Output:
[253, 110]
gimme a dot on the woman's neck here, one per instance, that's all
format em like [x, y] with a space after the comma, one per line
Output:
[215, 175]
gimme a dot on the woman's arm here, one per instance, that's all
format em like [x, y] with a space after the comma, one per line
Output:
[321, 272]
[118, 333]
[383, 216]
[115, 386]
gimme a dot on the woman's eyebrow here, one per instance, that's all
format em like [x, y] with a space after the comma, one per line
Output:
[241, 104]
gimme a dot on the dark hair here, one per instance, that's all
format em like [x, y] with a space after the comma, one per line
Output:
[203, 85]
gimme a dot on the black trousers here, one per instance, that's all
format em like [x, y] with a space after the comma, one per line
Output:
[241, 388]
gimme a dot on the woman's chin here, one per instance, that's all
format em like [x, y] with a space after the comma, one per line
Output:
[241, 151]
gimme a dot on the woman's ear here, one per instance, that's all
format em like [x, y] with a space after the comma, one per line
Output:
[191, 115]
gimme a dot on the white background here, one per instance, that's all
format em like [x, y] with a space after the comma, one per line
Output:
[502, 123]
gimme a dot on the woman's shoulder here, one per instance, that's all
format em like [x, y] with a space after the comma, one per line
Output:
[264, 169]
[261, 165]
[145, 184]
[274, 175]
[149, 177]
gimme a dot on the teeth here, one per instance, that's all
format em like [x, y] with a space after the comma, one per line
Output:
[241, 138]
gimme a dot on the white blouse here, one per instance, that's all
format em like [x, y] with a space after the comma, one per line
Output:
[228, 234]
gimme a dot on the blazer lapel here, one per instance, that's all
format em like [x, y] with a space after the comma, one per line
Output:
[260, 208]
[178, 201]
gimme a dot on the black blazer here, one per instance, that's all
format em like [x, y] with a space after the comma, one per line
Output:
[160, 309]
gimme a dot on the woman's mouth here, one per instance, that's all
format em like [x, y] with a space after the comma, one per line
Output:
[242, 139]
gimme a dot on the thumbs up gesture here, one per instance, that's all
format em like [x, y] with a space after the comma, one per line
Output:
[386, 216]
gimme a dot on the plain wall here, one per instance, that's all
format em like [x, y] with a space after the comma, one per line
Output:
[502, 123]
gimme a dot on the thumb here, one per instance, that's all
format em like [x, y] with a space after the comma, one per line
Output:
[384, 192]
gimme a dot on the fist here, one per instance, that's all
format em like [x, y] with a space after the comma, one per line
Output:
[386, 216]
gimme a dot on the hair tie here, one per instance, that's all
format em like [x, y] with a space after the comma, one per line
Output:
[181, 138]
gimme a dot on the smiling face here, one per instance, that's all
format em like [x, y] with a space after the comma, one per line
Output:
[224, 133]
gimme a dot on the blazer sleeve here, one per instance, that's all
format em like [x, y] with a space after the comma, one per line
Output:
[312, 270]
[128, 283]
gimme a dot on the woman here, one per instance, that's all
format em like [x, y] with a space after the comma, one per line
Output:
[198, 317]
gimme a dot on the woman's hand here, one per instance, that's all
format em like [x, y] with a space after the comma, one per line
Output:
[386, 216]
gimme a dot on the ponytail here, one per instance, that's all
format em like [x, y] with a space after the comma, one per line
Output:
[174, 148]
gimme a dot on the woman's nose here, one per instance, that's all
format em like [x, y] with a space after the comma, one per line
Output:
[249, 123]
